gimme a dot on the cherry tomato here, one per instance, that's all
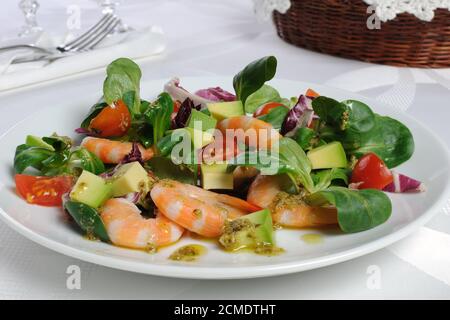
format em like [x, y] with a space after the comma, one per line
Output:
[371, 172]
[44, 191]
[265, 108]
[311, 93]
[113, 121]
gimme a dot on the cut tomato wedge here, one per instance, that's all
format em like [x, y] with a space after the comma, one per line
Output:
[43, 191]
[113, 121]
[311, 93]
[370, 172]
[265, 108]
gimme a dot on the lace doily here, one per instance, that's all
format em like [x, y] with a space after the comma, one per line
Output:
[385, 9]
[422, 9]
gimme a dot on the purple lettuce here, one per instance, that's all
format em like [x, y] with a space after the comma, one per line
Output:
[404, 183]
[299, 116]
[177, 92]
[134, 155]
[184, 113]
[88, 132]
[216, 94]
[133, 197]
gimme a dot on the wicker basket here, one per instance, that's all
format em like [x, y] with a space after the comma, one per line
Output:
[339, 27]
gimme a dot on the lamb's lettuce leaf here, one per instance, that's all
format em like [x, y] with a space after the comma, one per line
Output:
[357, 210]
[253, 76]
[122, 77]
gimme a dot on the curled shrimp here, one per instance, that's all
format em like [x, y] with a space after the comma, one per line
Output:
[126, 226]
[111, 151]
[254, 132]
[287, 210]
[198, 210]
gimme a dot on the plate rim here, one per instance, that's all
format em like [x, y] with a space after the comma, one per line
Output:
[241, 272]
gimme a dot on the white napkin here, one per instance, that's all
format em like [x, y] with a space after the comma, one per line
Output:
[135, 44]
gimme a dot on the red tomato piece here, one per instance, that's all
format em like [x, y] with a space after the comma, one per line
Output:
[44, 191]
[311, 93]
[370, 172]
[113, 121]
[265, 108]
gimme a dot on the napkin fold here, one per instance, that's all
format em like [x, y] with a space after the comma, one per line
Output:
[135, 44]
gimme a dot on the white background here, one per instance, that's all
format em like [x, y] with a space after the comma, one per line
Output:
[218, 37]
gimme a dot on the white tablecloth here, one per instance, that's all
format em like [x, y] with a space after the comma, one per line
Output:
[215, 37]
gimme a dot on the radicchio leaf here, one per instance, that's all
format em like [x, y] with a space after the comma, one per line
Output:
[133, 197]
[299, 116]
[88, 132]
[404, 183]
[216, 94]
[177, 92]
[184, 113]
[134, 155]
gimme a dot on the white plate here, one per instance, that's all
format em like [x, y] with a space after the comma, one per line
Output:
[47, 226]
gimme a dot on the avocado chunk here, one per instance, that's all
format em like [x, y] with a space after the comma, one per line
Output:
[130, 177]
[201, 121]
[34, 141]
[91, 190]
[200, 138]
[251, 231]
[223, 110]
[331, 155]
[216, 176]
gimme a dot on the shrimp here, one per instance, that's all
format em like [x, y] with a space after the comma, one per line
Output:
[111, 151]
[257, 133]
[287, 210]
[198, 210]
[127, 228]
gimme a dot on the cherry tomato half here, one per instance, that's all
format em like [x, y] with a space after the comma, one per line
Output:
[113, 121]
[265, 108]
[44, 191]
[371, 172]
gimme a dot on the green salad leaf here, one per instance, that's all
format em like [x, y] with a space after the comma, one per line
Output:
[275, 116]
[263, 95]
[158, 116]
[164, 168]
[360, 130]
[305, 138]
[26, 156]
[389, 139]
[60, 160]
[83, 159]
[122, 77]
[358, 210]
[253, 76]
[324, 178]
[88, 219]
[289, 159]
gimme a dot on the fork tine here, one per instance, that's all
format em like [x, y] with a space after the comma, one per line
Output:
[87, 34]
[97, 40]
[98, 36]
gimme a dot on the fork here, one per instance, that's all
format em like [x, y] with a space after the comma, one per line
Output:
[85, 42]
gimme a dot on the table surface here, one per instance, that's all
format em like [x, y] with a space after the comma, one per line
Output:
[215, 37]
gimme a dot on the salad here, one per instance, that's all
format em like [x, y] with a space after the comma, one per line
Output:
[230, 166]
